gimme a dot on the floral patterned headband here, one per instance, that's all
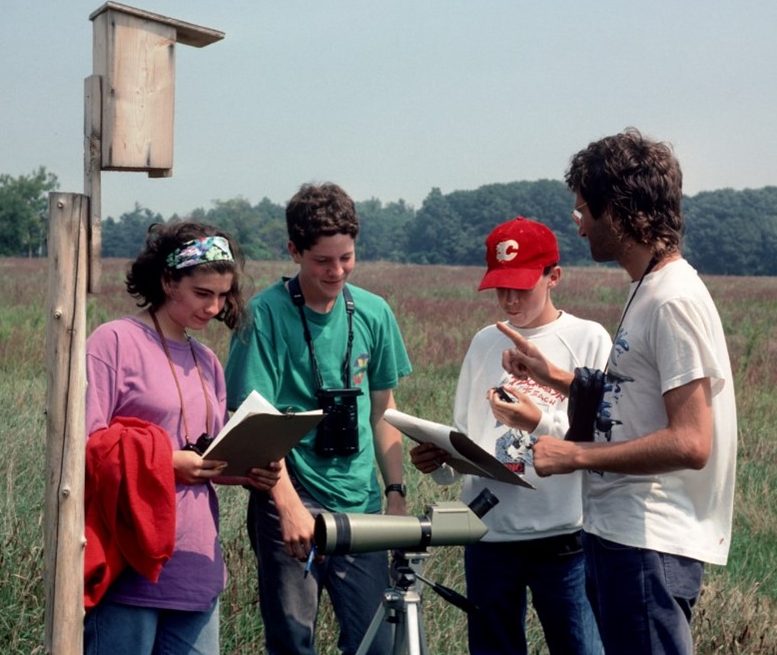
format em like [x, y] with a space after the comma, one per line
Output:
[200, 251]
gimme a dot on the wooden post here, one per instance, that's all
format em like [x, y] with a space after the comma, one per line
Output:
[66, 356]
[92, 182]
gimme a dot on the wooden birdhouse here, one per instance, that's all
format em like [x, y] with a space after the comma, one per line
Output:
[134, 56]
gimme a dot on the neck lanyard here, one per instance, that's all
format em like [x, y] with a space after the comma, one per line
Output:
[178, 384]
[295, 291]
[651, 265]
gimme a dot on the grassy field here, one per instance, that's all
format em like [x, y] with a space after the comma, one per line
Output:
[438, 311]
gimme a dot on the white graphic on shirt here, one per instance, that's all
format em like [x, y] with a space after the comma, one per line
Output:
[513, 447]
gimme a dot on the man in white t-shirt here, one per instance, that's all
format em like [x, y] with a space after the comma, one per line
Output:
[659, 486]
[534, 535]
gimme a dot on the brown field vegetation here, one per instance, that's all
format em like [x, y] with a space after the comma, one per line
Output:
[439, 311]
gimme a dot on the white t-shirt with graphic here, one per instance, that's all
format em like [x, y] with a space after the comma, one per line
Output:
[671, 335]
[555, 506]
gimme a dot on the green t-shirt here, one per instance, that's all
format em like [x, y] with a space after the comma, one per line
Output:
[270, 355]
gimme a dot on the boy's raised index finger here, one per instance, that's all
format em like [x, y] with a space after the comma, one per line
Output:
[513, 335]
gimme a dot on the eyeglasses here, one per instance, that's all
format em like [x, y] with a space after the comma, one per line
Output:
[577, 215]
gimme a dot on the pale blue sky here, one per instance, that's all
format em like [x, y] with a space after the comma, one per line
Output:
[391, 98]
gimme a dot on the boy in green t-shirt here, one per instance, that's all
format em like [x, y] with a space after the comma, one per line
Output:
[315, 341]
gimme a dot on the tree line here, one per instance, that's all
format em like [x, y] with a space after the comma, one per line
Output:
[727, 232]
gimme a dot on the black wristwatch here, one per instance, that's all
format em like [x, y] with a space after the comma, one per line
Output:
[401, 489]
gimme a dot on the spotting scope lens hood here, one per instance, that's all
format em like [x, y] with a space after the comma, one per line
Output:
[445, 524]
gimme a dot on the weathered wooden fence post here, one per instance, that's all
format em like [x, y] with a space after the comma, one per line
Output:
[66, 392]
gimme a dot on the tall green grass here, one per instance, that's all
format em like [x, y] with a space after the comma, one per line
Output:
[439, 311]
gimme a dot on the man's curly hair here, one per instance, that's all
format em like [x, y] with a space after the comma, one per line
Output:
[638, 181]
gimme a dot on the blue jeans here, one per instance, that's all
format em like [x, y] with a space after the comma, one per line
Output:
[116, 629]
[642, 598]
[289, 601]
[498, 575]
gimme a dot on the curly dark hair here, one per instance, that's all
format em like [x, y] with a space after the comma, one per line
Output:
[145, 274]
[317, 211]
[638, 181]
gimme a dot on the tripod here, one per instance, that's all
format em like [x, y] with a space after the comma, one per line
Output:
[401, 607]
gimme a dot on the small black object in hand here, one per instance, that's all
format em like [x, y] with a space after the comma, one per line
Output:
[504, 396]
[201, 445]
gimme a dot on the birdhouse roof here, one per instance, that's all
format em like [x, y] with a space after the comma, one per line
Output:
[186, 33]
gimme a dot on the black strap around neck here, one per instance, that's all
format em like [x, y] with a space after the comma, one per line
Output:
[295, 291]
[651, 265]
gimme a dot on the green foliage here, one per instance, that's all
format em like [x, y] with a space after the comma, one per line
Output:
[125, 237]
[732, 232]
[260, 230]
[382, 229]
[727, 232]
[24, 213]
[451, 229]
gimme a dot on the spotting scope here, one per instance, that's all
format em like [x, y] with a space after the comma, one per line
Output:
[449, 523]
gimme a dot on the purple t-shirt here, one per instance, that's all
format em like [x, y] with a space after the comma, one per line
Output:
[128, 375]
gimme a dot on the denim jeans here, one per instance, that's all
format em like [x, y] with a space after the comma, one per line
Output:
[642, 598]
[116, 629]
[289, 601]
[498, 575]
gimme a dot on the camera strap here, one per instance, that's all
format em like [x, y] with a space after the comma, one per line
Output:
[295, 291]
[651, 265]
[587, 388]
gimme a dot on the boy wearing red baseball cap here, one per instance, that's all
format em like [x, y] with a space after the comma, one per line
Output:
[533, 540]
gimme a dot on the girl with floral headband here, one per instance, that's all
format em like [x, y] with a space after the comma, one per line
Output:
[148, 377]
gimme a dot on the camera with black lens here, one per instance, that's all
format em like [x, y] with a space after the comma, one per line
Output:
[338, 431]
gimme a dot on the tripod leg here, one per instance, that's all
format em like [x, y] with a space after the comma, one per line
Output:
[403, 610]
[422, 632]
[413, 632]
[372, 630]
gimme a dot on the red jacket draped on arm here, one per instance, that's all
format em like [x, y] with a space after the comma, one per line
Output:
[129, 504]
